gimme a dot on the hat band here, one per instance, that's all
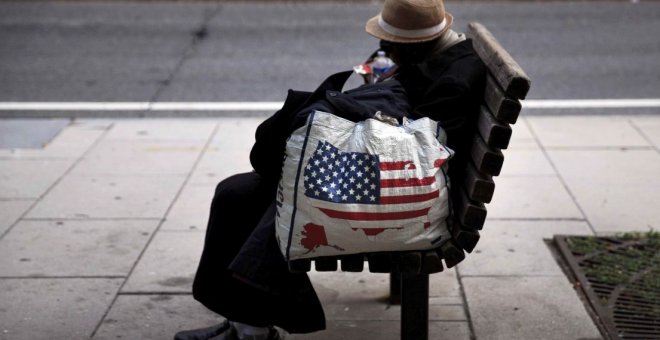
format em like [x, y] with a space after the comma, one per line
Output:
[418, 33]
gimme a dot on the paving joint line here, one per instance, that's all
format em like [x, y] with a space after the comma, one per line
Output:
[644, 135]
[537, 219]
[58, 277]
[466, 307]
[158, 227]
[559, 176]
[57, 181]
[138, 293]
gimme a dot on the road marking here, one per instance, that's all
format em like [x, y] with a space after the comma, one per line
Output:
[589, 103]
[271, 106]
[140, 106]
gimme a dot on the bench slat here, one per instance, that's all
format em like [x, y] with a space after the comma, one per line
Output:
[325, 264]
[487, 160]
[504, 68]
[505, 109]
[300, 266]
[352, 263]
[479, 187]
[431, 263]
[496, 134]
[470, 213]
[380, 262]
[465, 237]
[452, 254]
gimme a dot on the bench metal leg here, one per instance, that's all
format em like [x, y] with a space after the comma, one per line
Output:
[414, 306]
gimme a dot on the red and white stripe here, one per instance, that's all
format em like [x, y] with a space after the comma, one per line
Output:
[404, 198]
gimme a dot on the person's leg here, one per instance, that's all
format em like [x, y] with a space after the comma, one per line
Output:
[228, 229]
[240, 298]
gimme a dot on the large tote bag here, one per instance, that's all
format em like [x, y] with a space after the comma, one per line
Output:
[364, 187]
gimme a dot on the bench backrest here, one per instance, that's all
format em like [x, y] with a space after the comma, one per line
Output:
[506, 85]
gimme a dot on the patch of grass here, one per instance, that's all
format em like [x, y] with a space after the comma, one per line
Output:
[617, 263]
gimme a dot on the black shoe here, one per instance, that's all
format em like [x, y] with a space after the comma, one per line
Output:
[223, 328]
[221, 331]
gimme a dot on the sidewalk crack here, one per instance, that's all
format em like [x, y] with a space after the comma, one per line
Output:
[198, 36]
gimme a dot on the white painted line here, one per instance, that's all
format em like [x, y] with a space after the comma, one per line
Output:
[140, 106]
[273, 106]
[589, 103]
[216, 106]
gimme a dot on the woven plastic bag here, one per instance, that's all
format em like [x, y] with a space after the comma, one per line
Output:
[364, 187]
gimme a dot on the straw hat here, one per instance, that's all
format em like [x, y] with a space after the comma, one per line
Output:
[410, 21]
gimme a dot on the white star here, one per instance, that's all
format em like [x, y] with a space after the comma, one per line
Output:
[327, 177]
[316, 162]
[331, 195]
[360, 162]
[332, 155]
[344, 197]
[319, 181]
[353, 168]
[366, 192]
[351, 191]
[325, 189]
[366, 168]
[359, 186]
[325, 159]
[322, 170]
[317, 193]
[333, 185]
[327, 146]
[373, 198]
[313, 173]
[335, 174]
[358, 197]
[373, 186]
[352, 180]
[353, 156]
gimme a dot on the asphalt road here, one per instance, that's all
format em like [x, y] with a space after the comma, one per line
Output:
[150, 51]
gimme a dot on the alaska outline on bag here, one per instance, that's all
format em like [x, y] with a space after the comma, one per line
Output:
[362, 187]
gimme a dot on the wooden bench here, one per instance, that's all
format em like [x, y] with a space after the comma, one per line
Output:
[506, 85]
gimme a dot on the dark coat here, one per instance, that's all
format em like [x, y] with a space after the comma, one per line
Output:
[447, 89]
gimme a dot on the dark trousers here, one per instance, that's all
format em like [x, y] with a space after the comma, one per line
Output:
[242, 275]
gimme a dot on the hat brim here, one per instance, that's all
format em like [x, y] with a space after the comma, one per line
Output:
[375, 30]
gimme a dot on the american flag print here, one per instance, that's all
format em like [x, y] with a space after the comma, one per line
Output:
[367, 191]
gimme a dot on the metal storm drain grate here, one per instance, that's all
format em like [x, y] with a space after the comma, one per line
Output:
[620, 277]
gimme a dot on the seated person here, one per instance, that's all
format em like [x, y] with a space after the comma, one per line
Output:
[242, 274]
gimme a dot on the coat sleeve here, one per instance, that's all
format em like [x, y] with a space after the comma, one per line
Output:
[455, 102]
[267, 152]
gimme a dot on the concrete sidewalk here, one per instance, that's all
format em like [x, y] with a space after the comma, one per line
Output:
[101, 230]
